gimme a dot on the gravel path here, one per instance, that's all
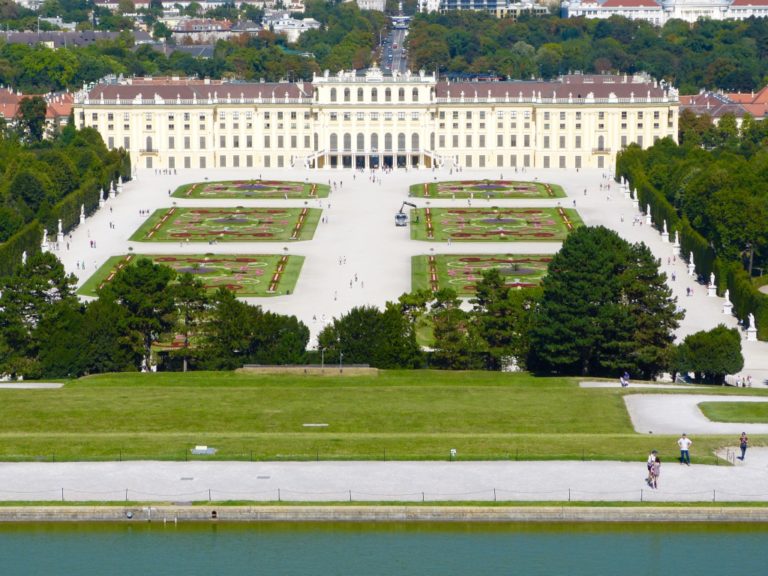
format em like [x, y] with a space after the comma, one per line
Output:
[675, 414]
[383, 481]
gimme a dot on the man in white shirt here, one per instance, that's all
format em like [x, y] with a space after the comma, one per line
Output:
[684, 443]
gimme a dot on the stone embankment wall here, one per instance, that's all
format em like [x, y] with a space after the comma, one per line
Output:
[169, 513]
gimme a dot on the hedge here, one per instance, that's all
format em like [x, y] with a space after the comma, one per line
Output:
[744, 294]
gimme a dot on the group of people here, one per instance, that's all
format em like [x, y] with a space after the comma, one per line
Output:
[684, 443]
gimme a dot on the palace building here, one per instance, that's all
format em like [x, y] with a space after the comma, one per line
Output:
[367, 119]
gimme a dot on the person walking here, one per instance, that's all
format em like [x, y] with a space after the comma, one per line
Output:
[743, 442]
[651, 460]
[655, 471]
[685, 444]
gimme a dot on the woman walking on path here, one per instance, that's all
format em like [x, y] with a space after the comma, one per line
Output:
[743, 442]
[655, 471]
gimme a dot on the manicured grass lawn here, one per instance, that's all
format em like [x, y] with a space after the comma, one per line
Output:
[493, 224]
[229, 225]
[247, 275]
[410, 415]
[252, 189]
[462, 272]
[748, 412]
[486, 189]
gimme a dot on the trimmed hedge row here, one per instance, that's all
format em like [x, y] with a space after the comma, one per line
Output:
[729, 275]
[67, 209]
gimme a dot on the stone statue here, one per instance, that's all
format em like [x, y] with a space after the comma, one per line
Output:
[103, 195]
[677, 240]
[711, 278]
[691, 262]
[82, 210]
[60, 227]
[752, 321]
[45, 237]
[665, 227]
[23, 257]
[727, 295]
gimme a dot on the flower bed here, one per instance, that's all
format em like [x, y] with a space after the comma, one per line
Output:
[256, 189]
[486, 190]
[493, 224]
[462, 272]
[229, 225]
[247, 275]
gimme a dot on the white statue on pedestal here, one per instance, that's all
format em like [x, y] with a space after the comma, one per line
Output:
[727, 306]
[61, 231]
[24, 258]
[691, 266]
[712, 288]
[82, 213]
[752, 330]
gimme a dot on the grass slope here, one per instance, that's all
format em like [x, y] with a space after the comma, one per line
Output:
[405, 415]
[747, 412]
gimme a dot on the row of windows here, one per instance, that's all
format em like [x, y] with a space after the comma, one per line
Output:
[372, 115]
[347, 95]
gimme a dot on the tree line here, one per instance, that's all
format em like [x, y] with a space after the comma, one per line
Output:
[726, 54]
[603, 309]
[729, 55]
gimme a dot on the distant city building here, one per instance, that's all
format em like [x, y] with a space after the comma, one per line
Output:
[201, 30]
[658, 12]
[114, 5]
[56, 114]
[718, 104]
[499, 8]
[369, 119]
[281, 22]
[377, 5]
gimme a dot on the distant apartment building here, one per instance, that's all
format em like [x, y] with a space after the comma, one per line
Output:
[658, 12]
[368, 119]
[718, 104]
[377, 5]
[499, 8]
[281, 22]
[59, 107]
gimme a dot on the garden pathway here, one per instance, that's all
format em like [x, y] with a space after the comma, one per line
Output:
[361, 231]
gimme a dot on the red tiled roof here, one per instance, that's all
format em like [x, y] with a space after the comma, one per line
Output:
[201, 91]
[747, 3]
[631, 4]
[575, 86]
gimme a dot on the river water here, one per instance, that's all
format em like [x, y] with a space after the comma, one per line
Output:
[383, 549]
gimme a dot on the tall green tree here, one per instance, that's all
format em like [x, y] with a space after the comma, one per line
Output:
[37, 291]
[143, 290]
[31, 118]
[191, 300]
[604, 309]
[710, 355]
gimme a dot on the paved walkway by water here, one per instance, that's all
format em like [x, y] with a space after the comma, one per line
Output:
[383, 481]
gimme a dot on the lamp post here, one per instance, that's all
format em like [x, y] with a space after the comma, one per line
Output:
[322, 358]
[341, 359]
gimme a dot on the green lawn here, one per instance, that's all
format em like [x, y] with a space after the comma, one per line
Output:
[748, 412]
[405, 414]
[247, 275]
[252, 190]
[229, 225]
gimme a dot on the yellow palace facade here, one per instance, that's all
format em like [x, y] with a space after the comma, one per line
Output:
[369, 120]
